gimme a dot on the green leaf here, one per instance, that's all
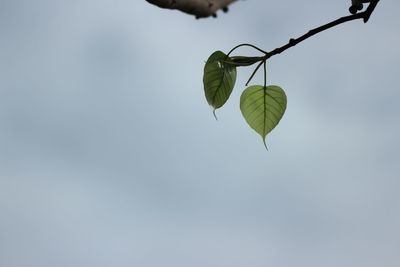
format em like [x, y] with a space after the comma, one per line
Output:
[263, 107]
[241, 61]
[219, 79]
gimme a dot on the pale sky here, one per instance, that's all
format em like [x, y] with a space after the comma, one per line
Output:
[110, 155]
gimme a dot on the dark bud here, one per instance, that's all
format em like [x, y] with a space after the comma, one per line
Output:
[353, 10]
[225, 9]
[360, 6]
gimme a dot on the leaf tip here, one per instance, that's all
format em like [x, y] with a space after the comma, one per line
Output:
[215, 115]
[265, 144]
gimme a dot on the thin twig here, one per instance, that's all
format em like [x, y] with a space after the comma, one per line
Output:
[365, 15]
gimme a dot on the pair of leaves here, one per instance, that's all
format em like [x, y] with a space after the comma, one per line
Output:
[262, 107]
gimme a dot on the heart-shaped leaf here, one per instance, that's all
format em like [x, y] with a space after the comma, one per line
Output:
[219, 79]
[263, 107]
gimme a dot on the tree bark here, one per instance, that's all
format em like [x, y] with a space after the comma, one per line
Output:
[198, 8]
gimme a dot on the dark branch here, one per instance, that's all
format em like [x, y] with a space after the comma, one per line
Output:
[198, 8]
[365, 15]
[369, 10]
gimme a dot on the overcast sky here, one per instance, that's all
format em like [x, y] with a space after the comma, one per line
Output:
[110, 155]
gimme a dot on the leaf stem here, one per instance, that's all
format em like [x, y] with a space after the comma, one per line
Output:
[250, 45]
[265, 73]
[254, 72]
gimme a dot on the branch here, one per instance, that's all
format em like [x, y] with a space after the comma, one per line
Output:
[199, 8]
[365, 15]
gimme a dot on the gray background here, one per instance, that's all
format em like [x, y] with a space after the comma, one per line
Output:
[110, 155]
